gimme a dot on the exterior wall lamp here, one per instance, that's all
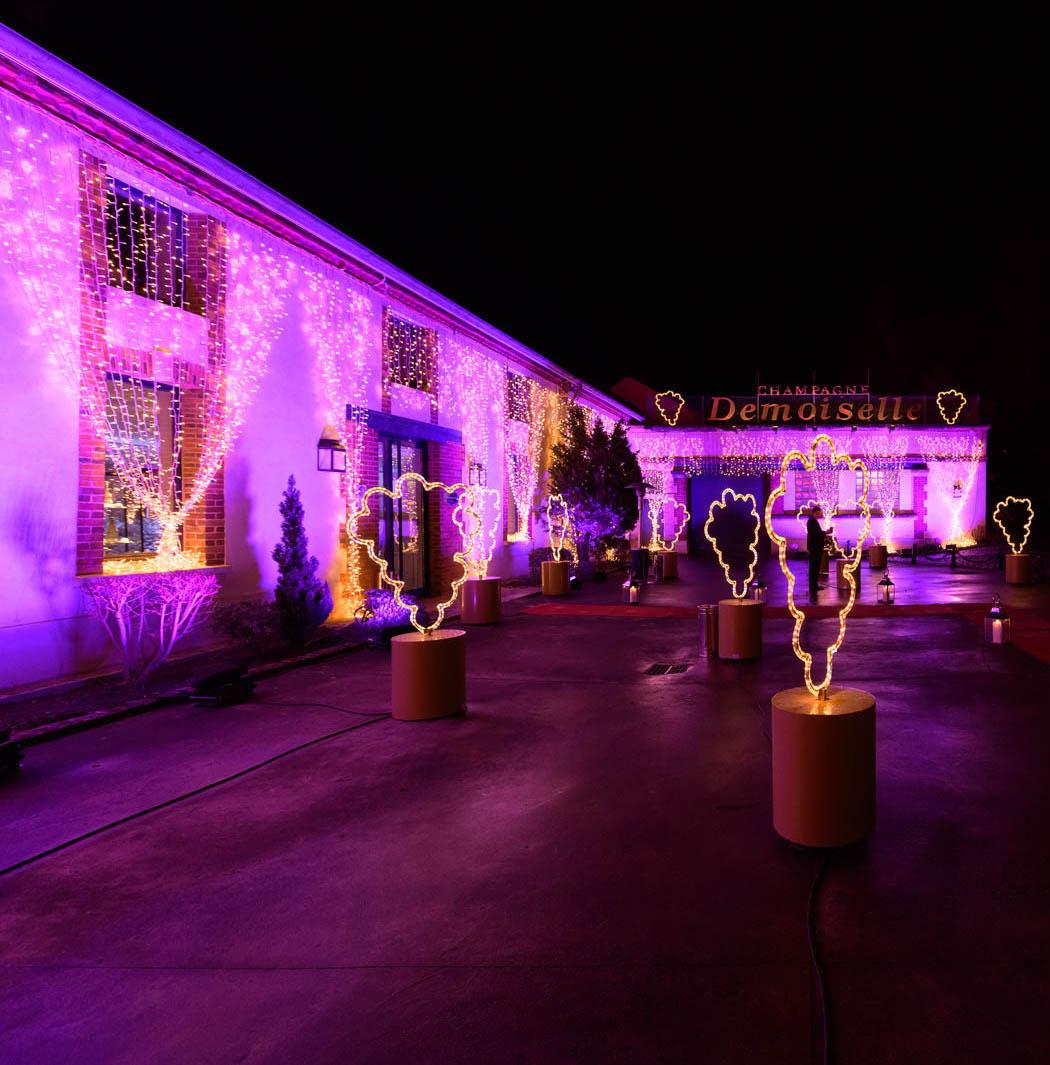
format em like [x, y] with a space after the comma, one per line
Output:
[331, 454]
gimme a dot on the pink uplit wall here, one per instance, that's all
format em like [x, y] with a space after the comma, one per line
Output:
[45, 629]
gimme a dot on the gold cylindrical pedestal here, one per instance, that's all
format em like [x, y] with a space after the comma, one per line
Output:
[1020, 569]
[554, 578]
[739, 628]
[482, 601]
[429, 675]
[824, 766]
[878, 556]
[840, 575]
[670, 565]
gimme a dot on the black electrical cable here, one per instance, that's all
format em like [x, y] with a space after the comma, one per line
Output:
[811, 922]
[814, 954]
[189, 794]
[326, 706]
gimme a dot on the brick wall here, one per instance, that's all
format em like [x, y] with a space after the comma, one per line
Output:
[444, 464]
[204, 531]
[368, 526]
[91, 487]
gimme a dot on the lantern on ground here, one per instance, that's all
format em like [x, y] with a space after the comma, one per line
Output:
[885, 589]
[997, 624]
[331, 453]
[631, 591]
[759, 591]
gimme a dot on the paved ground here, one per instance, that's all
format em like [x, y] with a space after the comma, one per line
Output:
[581, 869]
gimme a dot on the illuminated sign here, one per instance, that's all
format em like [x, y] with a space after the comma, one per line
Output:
[843, 408]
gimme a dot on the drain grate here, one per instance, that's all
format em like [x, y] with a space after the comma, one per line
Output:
[664, 669]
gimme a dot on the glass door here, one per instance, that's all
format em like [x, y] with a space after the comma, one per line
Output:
[403, 526]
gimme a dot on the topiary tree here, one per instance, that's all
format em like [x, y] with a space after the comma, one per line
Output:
[303, 600]
[592, 470]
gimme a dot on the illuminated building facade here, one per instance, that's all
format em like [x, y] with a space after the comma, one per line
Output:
[927, 458]
[178, 339]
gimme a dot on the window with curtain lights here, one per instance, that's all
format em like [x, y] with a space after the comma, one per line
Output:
[876, 480]
[411, 354]
[513, 516]
[146, 415]
[146, 246]
[518, 395]
[809, 484]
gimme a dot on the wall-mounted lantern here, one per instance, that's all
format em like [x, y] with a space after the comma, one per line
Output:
[331, 454]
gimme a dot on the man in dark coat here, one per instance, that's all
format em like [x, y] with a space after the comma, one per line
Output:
[816, 537]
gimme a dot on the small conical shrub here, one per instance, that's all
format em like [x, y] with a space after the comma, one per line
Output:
[303, 600]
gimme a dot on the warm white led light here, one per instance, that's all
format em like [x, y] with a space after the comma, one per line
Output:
[950, 419]
[1016, 546]
[659, 505]
[885, 452]
[559, 525]
[809, 462]
[672, 408]
[720, 506]
[479, 536]
[464, 500]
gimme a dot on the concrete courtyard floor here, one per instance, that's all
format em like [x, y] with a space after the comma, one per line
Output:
[580, 869]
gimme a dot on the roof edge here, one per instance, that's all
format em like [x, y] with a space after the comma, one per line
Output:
[27, 61]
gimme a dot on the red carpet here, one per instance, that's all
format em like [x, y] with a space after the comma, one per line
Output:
[777, 613]
[1030, 630]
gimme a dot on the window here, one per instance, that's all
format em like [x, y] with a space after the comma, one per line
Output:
[403, 521]
[143, 416]
[411, 354]
[876, 479]
[819, 485]
[518, 396]
[145, 245]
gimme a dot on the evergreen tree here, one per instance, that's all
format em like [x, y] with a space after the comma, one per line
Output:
[592, 470]
[303, 600]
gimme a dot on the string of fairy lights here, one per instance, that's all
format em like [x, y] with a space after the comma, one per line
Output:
[665, 531]
[478, 527]
[473, 385]
[953, 460]
[885, 453]
[528, 411]
[464, 517]
[410, 356]
[159, 315]
[1014, 516]
[559, 525]
[726, 546]
[807, 461]
[165, 380]
[339, 323]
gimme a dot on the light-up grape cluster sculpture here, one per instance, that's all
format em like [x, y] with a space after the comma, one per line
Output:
[839, 461]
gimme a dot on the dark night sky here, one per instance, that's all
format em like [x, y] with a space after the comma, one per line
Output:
[648, 193]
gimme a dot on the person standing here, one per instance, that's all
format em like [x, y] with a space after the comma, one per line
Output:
[816, 539]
